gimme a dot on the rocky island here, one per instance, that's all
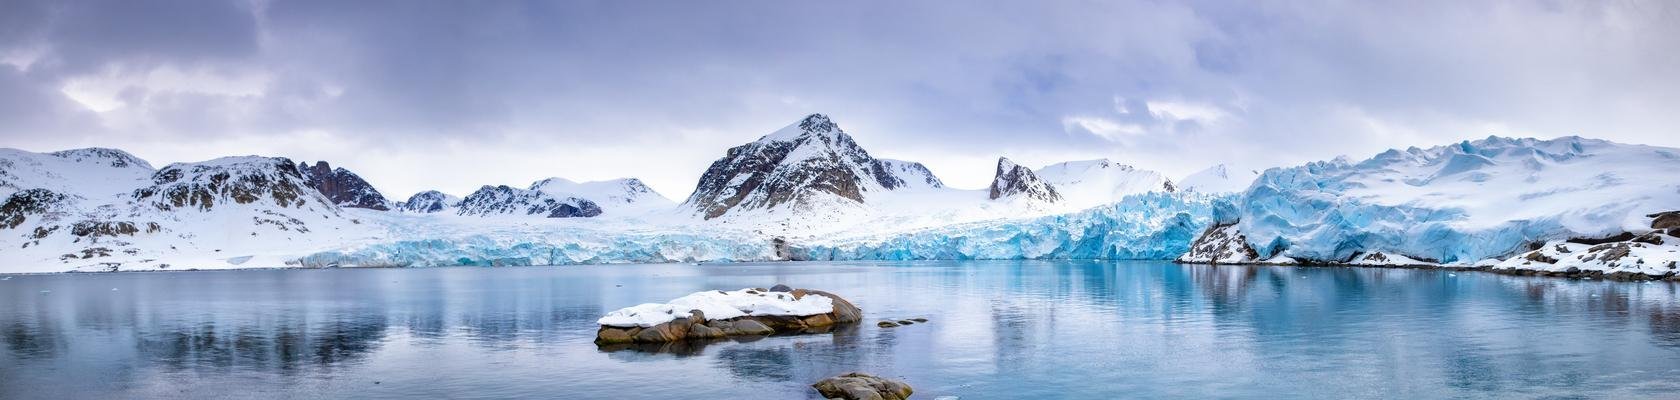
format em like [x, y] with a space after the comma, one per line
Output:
[717, 314]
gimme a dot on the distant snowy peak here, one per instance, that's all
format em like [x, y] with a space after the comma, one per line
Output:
[342, 187]
[807, 165]
[1091, 183]
[1219, 179]
[611, 195]
[1015, 181]
[430, 201]
[504, 200]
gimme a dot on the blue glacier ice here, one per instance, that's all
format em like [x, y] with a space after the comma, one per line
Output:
[1462, 203]
[1144, 226]
[569, 247]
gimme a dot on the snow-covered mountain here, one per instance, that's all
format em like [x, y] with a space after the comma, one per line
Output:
[809, 167]
[1012, 181]
[430, 201]
[1090, 183]
[1220, 178]
[98, 210]
[613, 196]
[504, 200]
[1462, 203]
[342, 187]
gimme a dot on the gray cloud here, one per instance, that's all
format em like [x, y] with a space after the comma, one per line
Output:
[455, 94]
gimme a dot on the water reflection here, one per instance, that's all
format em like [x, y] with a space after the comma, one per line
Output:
[1003, 329]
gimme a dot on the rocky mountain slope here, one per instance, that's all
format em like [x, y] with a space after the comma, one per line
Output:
[342, 187]
[811, 166]
[430, 201]
[1012, 181]
[504, 200]
[1091, 183]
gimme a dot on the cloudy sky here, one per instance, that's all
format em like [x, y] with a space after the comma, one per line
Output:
[451, 95]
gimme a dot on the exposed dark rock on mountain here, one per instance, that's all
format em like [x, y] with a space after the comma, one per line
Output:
[19, 206]
[238, 180]
[1013, 180]
[493, 200]
[810, 161]
[429, 201]
[342, 187]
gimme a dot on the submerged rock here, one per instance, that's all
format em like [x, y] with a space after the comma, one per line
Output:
[861, 386]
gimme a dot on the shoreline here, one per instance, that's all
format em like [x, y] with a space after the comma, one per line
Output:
[1582, 274]
[1620, 276]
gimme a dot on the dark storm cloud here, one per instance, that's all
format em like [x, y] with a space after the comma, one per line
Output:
[657, 89]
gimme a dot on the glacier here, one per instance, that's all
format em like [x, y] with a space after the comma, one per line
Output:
[1460, 203]
[1154, 225]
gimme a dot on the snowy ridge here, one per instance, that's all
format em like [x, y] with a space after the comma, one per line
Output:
[430, 201]
[1460, 203]
[1090, 183]
[617, 195]
[504, 200]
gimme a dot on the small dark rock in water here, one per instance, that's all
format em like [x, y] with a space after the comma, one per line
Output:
[781, 288]
[919, 319]
[905, 322]
[861, 386]
[886, 324]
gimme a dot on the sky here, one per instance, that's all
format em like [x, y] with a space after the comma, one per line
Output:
[416, 95]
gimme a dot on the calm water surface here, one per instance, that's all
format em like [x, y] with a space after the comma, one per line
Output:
[996, 330]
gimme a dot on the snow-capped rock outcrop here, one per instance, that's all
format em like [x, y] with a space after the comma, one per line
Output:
[1219, 179]
[613, 196]
[811, 166]
[504, 200]
[1459, 203]
[1012, 181]
[1090, 183]
[343, 187]
[898, 174]
[430, 201]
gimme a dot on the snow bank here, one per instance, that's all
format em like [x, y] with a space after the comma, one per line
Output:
[718, 304]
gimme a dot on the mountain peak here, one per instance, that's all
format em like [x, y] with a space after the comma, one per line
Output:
[1013, 179]
[807, 163]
